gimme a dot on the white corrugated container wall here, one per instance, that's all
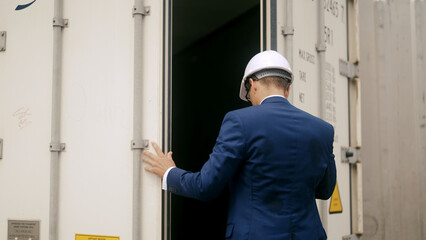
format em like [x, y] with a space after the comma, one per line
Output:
[95, 182]
[393, 40]
[97, 108]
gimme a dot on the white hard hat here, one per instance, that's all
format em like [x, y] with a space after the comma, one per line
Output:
[267, 60]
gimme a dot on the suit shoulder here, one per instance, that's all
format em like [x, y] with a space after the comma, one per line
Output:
[250, 113]
[318, 121]
[240, 112]
[326, 126]
[324, 123]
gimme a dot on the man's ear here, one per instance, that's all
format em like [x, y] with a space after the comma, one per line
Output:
[287, 92]
[253, 84]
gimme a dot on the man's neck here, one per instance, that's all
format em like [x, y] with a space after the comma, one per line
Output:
[275, 95]
[267, 94]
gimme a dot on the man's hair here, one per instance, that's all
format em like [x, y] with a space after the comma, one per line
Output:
[276, 81]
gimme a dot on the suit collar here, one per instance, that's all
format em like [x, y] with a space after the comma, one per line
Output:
[274, 99]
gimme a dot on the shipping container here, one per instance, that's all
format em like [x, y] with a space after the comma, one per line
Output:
[393, 40]
[86, 86]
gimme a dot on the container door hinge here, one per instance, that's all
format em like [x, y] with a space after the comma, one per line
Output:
[352, 237]
[3, 35]
[60, 22]
[140, 144]
[351, 155]
[142, 10]
[348, 69]
[1, 148]
[57, 147]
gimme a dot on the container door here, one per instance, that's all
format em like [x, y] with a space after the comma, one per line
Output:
[294, 29]
[95, 173]
[210, 45]
[25, 94]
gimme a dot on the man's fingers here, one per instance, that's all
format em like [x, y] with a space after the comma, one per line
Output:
[154, 171]
[148, 160]
[159, 163]
[158, 149]
[149, 154]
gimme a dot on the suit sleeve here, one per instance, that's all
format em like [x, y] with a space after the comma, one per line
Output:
[217, 172]
[326, 186]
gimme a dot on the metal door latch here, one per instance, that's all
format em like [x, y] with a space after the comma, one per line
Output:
[321, 47]
[140, 144]
[351, 237]
[287, 30]
[59, 22]
[57, 147]
[142, 10]
[351, 155]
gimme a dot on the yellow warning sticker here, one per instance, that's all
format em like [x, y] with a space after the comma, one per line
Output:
[335, 202]
[94, 237]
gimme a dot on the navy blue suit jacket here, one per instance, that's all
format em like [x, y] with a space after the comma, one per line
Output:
[277, 159]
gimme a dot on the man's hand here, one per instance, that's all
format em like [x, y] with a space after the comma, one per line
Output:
[159, 163]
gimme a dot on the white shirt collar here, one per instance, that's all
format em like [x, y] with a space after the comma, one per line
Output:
[271, 96]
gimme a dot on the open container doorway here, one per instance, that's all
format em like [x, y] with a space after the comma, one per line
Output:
[212, 41]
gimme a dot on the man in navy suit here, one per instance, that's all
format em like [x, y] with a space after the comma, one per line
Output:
[276, 159]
